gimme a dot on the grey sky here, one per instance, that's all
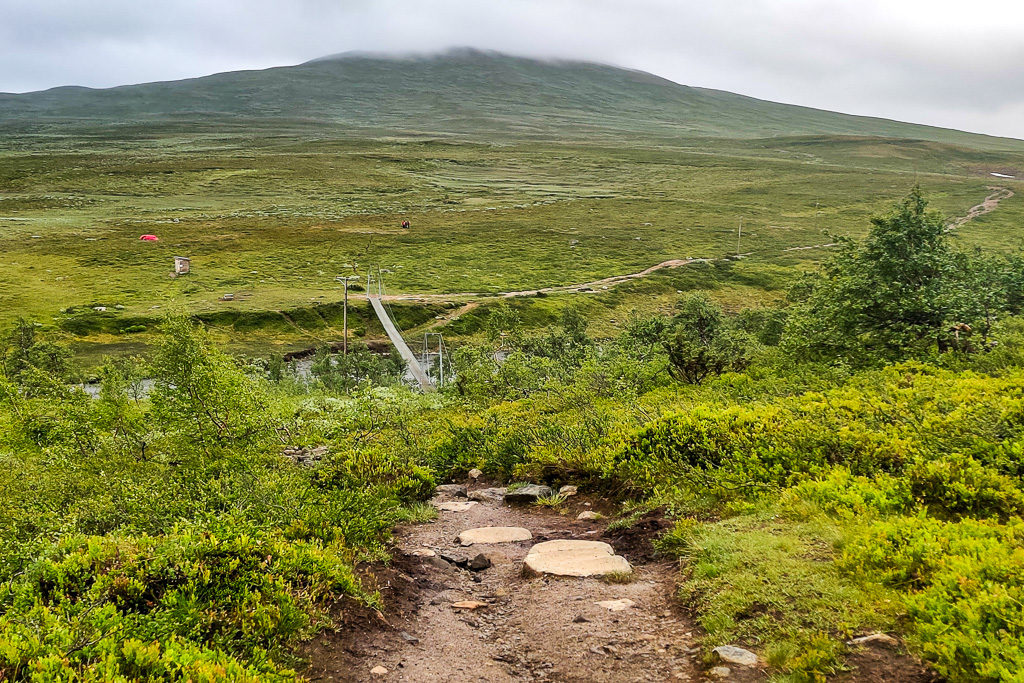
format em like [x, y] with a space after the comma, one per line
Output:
[943, 62]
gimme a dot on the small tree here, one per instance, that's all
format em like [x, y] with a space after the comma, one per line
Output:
[700, 343]
[504, 328]
[201, 393]
[359, 366]
[567, 344]
[900, 292]
[24, 355]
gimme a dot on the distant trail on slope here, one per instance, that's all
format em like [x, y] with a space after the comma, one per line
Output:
[990, 204]
[578, 288]
[608, 281]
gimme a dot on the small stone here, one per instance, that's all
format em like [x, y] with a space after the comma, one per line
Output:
[581, 620]
[439, 563]
[457, 560]
[379, 671]
[876, 639]
[491, 495]
[475, 473]
[494, 534]
[588, 516]
[528, 494]
[457, 490]
[409, 638]
[596, 650]
[469, 604]
[731, 654]
[456, 507]
[616, 605]
[720, 672]
[480, 562]
[423, 552]
[567, 490]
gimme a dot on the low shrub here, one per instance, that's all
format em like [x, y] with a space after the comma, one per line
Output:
[220, 603]
[964, 584]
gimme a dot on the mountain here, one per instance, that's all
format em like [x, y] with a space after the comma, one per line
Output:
[465, 93]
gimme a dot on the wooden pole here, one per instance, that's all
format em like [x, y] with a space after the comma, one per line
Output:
[344, 343]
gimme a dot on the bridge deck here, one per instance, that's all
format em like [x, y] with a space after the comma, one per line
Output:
[410, 358]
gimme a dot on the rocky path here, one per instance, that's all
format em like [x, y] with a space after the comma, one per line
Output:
[464, 607]
[990, 204]
[450, 622]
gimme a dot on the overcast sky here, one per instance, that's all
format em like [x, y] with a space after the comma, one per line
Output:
[949, 63]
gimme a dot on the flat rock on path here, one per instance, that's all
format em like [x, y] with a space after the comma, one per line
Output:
[575, 558]
[494, 534]
[456, 507]
[539, 629]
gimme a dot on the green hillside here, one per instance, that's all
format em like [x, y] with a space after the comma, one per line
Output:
[516, 174]
[460, 93]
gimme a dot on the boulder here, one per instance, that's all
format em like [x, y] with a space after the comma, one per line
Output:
[528, 494]
[475, 473]
[488, 495]
[494, 534]
[457, 490]
[574, 558]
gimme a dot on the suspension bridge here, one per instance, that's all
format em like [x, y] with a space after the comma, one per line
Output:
[417, 370]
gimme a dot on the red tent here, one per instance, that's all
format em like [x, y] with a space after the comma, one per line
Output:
[149, 238]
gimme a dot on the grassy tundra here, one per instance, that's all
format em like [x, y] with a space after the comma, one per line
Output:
[834, 456]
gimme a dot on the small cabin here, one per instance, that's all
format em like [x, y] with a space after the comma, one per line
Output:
[182, 265]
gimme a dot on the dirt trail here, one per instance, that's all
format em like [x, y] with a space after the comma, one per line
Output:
[578, 288]
[990, 204]
[539, 629]
[453, 314]
[534, 629]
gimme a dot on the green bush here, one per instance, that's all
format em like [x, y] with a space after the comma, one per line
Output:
[965, 589]
[222, 602]
[959, 486]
